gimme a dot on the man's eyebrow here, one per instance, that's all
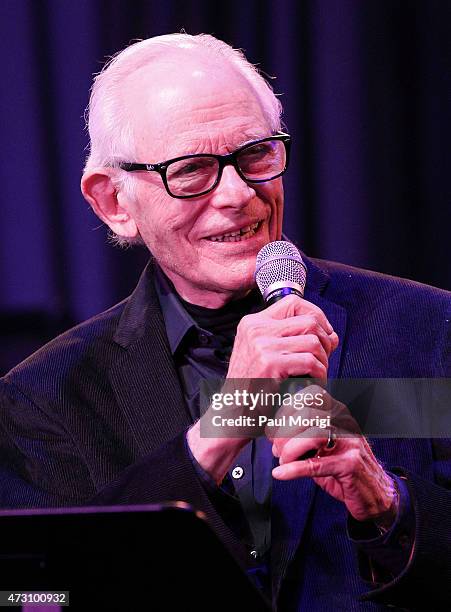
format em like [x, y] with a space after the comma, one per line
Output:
[251, 138]
[199, 147]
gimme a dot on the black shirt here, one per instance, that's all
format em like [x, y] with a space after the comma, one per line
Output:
[201, 341]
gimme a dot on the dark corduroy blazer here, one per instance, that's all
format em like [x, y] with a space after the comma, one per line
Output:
[98, 413]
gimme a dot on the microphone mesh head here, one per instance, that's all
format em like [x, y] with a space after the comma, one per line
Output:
[279, 261]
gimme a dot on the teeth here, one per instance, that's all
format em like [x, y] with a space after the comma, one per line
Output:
[243, 234]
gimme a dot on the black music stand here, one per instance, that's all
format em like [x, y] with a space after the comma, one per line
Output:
[124, 558]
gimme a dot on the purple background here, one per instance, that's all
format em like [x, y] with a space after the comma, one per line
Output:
[366, 90]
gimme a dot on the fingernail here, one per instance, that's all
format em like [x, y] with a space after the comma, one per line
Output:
[275, 452]
[277, 472]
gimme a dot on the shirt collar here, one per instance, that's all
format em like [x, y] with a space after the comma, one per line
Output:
[176, 320]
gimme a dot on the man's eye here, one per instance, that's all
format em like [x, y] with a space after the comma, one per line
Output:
[256, 152]
[264, 147]
[191, 168]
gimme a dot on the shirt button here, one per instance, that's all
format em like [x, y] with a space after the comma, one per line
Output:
[237, 472]
[204, 339]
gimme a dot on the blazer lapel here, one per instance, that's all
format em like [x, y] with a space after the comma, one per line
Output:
[145, 381]
[292, 500]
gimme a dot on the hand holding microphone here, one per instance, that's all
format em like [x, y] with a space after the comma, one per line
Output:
[290, 338]
[293, 337]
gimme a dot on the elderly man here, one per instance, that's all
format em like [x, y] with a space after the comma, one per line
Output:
[186, 157]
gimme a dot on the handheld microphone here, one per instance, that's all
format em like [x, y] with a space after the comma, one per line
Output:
[280, 271]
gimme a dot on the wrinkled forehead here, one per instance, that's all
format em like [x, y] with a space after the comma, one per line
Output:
[176, 107]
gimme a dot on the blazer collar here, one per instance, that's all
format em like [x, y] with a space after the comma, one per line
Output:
[144, 379]
[142, 306]
[319, 291]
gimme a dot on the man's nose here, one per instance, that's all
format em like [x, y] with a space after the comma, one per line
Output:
[232, 190]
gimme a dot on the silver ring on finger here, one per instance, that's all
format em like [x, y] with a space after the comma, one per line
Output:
[330, 444]
[331, 440]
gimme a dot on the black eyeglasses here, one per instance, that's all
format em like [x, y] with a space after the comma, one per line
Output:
[191, 176]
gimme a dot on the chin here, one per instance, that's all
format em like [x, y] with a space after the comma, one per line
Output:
[239, 284]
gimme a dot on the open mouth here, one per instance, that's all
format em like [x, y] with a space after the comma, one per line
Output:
[242, 234]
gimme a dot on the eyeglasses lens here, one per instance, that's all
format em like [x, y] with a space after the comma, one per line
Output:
[194, 175]
[263, 161]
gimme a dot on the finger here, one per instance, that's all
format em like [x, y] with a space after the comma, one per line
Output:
[283, 340]
[302, 344]
[310, 323]
[294, 448]
[335, 341]
[304, 439]
[310, 468]
[301, 364]
[341, 418]
[291, 306]
[307, 324]
[313, 403]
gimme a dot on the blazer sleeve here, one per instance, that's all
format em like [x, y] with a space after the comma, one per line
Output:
[425, 583]
[426, 580]
[41, 466]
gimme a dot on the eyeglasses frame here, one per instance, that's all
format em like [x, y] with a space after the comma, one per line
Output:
[229, 159]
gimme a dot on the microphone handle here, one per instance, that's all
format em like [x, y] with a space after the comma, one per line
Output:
[274, 297]
[279, 294]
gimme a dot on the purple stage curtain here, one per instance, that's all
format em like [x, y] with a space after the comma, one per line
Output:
[366, 90]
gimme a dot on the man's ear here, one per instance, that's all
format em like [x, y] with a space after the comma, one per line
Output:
[98, 189]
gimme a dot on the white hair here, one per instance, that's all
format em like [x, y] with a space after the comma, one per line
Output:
[108, 122]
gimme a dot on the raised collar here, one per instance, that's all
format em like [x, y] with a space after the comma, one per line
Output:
[177, 320]
[144, 303]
